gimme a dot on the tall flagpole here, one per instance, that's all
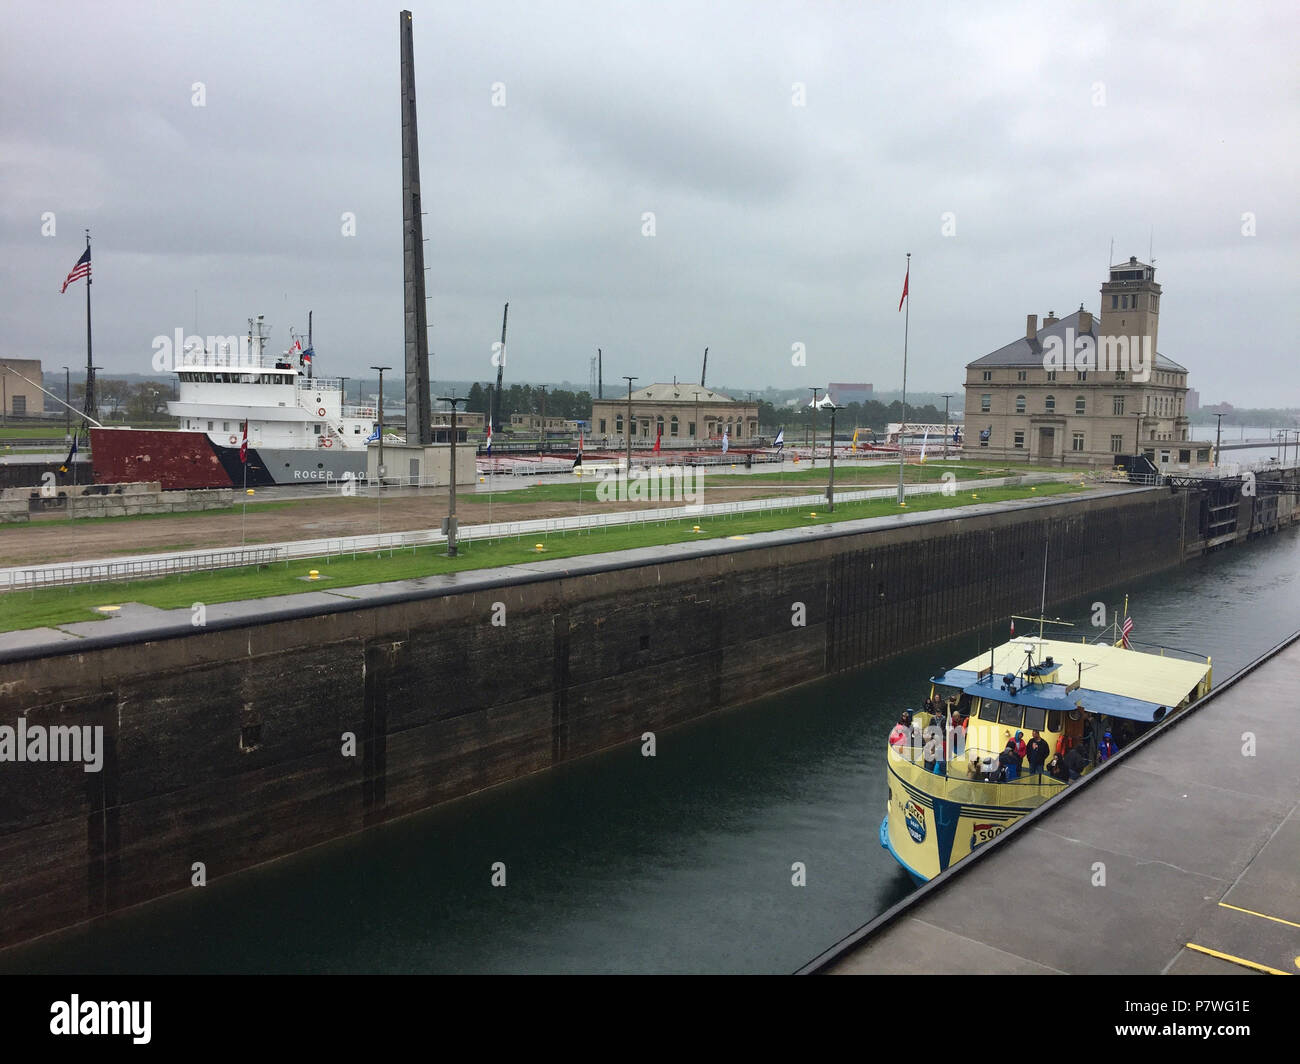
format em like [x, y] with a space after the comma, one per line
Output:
[91, 407]
[902, 428]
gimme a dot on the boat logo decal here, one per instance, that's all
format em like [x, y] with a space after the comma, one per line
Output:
[982, 833]
[914, 818]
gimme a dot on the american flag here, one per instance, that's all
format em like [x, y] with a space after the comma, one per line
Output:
[1128, 627]
[82, 269]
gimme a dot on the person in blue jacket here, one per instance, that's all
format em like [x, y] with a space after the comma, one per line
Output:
[1106, 748]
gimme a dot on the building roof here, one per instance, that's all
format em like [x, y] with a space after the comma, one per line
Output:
[668, 393]
[1026, 352]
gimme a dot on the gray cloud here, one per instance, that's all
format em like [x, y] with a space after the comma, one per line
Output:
[776, 223]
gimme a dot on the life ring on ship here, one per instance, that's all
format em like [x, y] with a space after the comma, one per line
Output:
[234, 439]
[320, 411]
[326, 442]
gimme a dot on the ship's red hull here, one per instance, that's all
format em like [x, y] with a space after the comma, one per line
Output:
[174, 459]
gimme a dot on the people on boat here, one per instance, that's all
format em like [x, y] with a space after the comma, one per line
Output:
[1107, 749]
[1057, 770]
[1020, 744]
[1036, 750]
[1009, 760]
[958, 732]
[1075, 762]
[902, 734]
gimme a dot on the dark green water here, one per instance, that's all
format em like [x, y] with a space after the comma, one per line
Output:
[621, 863]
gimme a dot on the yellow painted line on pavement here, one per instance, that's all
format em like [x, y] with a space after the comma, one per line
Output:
[1237, 960]
[1262, 916]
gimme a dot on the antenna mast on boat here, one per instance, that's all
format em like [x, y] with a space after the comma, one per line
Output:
[309, 348]
[705, 368]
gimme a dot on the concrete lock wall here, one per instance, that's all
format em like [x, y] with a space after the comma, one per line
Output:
[226, 746]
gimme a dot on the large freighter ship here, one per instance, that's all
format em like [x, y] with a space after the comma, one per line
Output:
[299, 430]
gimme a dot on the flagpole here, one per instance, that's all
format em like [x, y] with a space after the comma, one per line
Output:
[902, 427]
[90, 371]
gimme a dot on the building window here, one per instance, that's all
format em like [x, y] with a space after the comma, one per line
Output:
[1117, 404]
[1019, 438]
[1114, 302]
[1080, 405]
[1020, 404]
[1083, 374]
[1051, 374]
[618, 425]
[1119, 374]
[988, 375]
[1050, 404]
[690, 429]
[986, 403]
[1116, 444]
[672, 427]
[1076, 444]
[602, 426]
[1022, 375]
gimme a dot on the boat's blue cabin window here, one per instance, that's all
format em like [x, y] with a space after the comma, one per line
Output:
[1054, 721]
[1035, 718]
[1010, 714]
[988, 710]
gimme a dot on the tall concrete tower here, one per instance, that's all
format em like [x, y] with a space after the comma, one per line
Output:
[1130, 301]
[419, 421]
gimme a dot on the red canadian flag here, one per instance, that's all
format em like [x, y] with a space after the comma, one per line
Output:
[906, 276]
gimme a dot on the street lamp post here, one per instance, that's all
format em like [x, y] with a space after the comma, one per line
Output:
[813, 406]
[1218, 438]
[379, 467]
[449, 526]
[629, 422]
[946, 397]
[830, 484]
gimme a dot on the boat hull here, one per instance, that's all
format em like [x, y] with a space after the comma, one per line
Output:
[932, 822]
[178, 460]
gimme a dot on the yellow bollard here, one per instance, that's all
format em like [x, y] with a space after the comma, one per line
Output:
[314, 574]
[539, 547]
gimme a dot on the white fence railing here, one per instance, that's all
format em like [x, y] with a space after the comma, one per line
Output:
[140, 568]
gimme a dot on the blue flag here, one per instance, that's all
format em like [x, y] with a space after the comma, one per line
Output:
[780, 439]
[374, 436]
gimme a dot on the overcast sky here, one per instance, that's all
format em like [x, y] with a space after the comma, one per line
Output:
[1046, 130]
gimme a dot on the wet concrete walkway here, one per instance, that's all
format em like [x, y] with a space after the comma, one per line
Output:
[1181, 856]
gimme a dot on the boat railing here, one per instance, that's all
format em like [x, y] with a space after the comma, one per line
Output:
[966, 777]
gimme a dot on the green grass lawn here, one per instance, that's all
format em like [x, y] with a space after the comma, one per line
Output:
[52, 606]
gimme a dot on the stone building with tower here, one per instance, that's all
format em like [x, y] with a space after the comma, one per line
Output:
[684, 414]
[1082, 389]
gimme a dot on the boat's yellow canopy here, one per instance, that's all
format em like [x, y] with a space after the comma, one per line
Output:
[1110, 669]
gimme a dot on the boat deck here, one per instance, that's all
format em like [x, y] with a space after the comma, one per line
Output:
[1199, 843]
